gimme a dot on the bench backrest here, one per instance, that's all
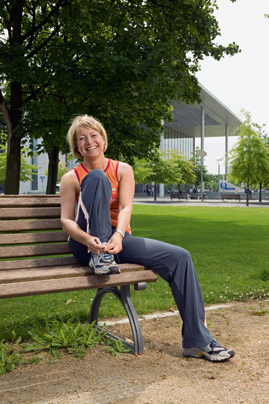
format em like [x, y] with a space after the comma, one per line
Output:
[30, 227]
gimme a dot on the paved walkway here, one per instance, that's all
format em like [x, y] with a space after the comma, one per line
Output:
[149, 200]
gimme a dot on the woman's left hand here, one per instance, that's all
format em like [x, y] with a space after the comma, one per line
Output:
[114, 245]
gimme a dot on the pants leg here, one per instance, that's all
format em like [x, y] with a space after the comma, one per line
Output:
[93, 212]
[175, 266]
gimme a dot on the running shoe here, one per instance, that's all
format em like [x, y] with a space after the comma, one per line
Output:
[104, 264]
[213, 352]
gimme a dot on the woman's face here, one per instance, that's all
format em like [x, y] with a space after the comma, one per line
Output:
[89, 142]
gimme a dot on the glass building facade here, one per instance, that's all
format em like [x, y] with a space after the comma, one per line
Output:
[174, 139]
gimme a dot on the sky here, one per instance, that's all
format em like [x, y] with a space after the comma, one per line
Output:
[240, 81]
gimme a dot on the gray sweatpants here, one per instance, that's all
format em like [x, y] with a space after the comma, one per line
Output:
[172, 263]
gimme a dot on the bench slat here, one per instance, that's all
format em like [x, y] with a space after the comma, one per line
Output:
[67, 271]
[37, 263]
[26, 200]
[24, 275]
[24, 225]
[71, 284]
[231, 196]
[25, 238]
[33, 250]
[22, 213]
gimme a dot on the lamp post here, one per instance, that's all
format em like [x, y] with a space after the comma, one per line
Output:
[202, 154]
[218, 160]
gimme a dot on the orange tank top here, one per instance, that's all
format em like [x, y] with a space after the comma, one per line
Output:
[111, 173]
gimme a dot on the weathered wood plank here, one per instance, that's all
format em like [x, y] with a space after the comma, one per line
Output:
[37, 263]
[8, 290]
[23, 213]
[67, 271]
[25, 238]
[29, 200]
[28, 275]
[24, 225]
[34, 250]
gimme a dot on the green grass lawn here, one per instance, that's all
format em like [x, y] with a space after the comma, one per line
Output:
[229, 247]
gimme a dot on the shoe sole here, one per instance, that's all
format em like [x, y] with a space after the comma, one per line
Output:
[113, 270]
[198, 353]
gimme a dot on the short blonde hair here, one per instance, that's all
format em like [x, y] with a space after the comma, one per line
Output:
[87, 122]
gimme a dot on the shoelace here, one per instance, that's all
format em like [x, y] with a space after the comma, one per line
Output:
[214, 344]
[106, 256]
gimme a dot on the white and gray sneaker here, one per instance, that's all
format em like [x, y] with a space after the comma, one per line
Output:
[213, 352]
[104, 264]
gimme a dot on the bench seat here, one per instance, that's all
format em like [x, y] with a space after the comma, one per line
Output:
[178, 195]
[231, 196]
[26, 282]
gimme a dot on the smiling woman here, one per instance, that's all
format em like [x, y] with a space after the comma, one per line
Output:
[79, 129]
[96, 202]
[90, 140]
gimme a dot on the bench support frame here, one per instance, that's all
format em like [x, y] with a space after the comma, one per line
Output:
[124, 296]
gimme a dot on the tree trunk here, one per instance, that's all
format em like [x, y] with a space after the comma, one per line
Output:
[247, 192]
[155, 191]
[260, 193]
[53, 170]
[12, 119]
[14, 116]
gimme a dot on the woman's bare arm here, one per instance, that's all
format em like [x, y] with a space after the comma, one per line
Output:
[68, 191]
[126, 186]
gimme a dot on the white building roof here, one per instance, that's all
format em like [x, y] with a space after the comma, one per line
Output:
[187, 117]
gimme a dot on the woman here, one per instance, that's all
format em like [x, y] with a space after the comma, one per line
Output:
[96, 201]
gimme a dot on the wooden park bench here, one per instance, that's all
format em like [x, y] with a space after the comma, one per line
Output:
[178, 195]
[197, 195]
[231, 196]
[35, 259]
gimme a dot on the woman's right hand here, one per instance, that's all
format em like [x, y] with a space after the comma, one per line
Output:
[94, 245]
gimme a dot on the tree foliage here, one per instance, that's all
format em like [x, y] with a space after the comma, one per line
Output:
[27, 170]
[164, 167]
[249, 158]
[121, 61]
[186, 167]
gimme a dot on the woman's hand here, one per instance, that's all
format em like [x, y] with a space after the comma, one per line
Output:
[114, 245]
[94, 245]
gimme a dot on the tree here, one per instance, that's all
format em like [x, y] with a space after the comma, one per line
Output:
[186, 167]
[197, 160]
[120, 61]
[265, 179]
[249, 158]
[62, 169]
[166, 167]
[27, 170]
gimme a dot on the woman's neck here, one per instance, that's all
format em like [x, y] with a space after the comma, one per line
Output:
[100, 164]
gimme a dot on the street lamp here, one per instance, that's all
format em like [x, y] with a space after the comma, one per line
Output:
[202, 154]
[218, 160]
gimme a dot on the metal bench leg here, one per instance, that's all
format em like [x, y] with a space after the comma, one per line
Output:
[123, 294]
